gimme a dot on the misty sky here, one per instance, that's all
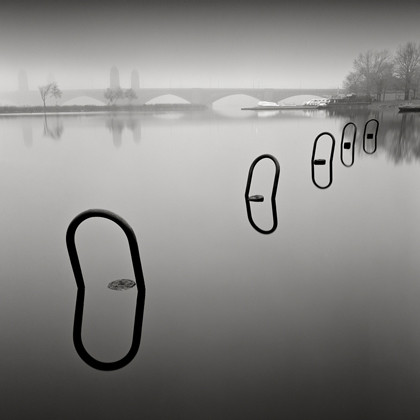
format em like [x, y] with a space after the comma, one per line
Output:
[197, 43]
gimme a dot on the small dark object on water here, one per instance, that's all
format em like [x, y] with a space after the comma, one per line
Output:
[122, 284]
[347, 145]
[257, 198]
[320, 162]
[369, 136]
[410, 108]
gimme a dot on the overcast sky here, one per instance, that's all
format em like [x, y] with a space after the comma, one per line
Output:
[196, 43]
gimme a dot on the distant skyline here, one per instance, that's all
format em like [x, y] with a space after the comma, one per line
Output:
[196, 43]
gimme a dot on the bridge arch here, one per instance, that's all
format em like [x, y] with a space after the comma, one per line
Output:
[83, 100]
[236, 99]
[299, 99]
[168, 99]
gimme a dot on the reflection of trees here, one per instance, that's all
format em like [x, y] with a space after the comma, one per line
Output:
[133, 124]
[353, 114]
[398, 134]
[117, 123]
[53, 127]
[401, 138]
[116, 126]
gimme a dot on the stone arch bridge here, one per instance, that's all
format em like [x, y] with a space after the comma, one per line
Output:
[202, 96]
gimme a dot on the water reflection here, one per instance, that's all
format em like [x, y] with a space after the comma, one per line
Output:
[401, 138]
[398, 137]
[141, 289]
[53, 127]
[116, 127]
[134, 125]
[116, 123]
[267, 114]
[135, 344]
[169, 115]
[243, 323]
[356, 115]
[255, 226]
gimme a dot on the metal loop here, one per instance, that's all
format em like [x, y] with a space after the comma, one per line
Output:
[367, 136]
[131, 237]
[260, 198]
[141, 290]
[135, 343]
[254, 225]
[251, 171]
[348, 145]
[315, 162]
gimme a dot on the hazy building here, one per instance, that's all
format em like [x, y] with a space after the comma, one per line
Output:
[114, 78]
[135, 80]
[23, 81]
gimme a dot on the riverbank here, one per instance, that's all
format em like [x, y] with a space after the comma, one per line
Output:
[99, 108]
[390, 105]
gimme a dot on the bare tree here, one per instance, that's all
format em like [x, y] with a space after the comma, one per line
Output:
[407, 62]
[382, 72]
[55, 92]
[113, 94]
[353, 83]
[130, 94]
[50, 89]
[416, 83]
[45, 91]
[371, 73]
[363, 66]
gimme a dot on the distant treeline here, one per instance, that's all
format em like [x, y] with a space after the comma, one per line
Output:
[377, 72]
[99, 108]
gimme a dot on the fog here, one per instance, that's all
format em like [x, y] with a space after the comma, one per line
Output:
[196, 44]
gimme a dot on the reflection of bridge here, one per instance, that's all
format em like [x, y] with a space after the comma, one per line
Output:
[203, 96]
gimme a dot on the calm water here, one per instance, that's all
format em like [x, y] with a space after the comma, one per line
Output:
[320, 319]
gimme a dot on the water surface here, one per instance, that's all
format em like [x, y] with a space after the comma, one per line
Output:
[319, 319]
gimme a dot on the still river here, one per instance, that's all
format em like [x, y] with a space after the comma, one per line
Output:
[319, 319]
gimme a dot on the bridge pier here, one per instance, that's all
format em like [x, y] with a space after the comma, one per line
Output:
[197, 96]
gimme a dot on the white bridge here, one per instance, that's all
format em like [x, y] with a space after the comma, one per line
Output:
[199, 96]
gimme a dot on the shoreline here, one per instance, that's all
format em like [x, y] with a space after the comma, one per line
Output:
[391, 105]
[76, 109]
[150, 108]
